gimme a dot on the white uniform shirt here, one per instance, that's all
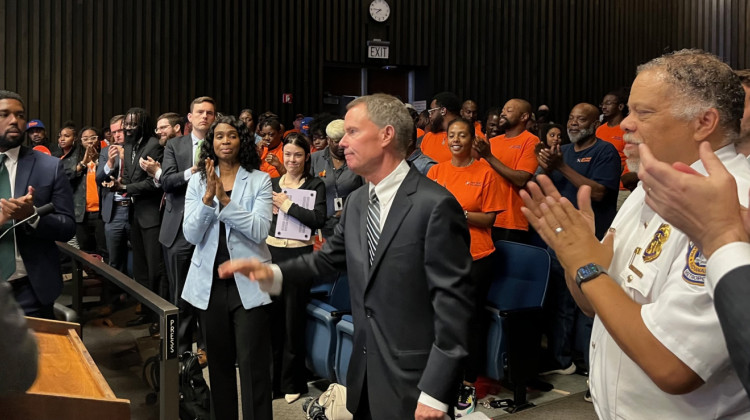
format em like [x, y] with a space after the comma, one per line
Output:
[668, 280]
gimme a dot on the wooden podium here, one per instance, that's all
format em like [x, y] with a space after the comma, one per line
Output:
[68, 384]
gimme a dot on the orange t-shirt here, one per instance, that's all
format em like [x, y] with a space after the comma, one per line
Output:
[267, 167]
[475, 187]
[614, 135]
[435, 145]
[420, 132]
[518, 154]
[92, 192]
[478, 129]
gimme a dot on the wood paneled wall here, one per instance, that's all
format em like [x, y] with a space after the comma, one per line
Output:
[87, 60]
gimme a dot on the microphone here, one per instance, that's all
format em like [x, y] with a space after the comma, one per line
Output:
[39, 211]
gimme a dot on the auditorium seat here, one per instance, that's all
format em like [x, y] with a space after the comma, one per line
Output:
[344, 345]
[514, 304]
[320, 333]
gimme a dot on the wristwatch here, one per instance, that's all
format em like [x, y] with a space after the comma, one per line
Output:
[588, 272]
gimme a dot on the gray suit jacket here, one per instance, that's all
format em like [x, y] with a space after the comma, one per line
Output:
[178, 157]
[412, 308]
[731, 302]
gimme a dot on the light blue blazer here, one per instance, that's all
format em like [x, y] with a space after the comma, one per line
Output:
[247, 218]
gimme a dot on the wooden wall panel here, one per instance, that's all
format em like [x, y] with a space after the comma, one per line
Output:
[87, 60]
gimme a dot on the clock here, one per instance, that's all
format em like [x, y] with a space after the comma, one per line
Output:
[380, 10]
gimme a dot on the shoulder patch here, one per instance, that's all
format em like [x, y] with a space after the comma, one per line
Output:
[695, 266]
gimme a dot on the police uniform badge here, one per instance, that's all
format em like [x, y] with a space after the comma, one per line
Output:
[653, 250]
[695, 266]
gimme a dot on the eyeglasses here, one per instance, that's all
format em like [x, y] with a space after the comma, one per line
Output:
[161, 128]
[90, 138]
[430, 111]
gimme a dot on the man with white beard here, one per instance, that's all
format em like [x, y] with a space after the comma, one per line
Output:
[586, 161]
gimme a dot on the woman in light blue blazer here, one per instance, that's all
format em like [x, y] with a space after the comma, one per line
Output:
[228, 210]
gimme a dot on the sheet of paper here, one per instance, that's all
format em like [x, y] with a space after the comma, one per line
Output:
[287, 227]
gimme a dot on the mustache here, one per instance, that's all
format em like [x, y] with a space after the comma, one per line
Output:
[630, 138]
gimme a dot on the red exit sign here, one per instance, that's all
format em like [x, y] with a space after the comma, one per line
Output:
[286, 98]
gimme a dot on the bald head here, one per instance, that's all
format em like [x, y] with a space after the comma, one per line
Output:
[469, 110]
[516, 113]
[583, 122]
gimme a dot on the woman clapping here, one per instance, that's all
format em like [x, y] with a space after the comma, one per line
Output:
[227, 215]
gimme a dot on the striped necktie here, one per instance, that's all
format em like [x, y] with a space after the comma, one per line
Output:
[7, 243]
[373, 225]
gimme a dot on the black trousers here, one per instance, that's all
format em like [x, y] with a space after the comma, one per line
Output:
[512, 235]
[148, 261]
[480, 277]
[177, 263]
[289, 324]
[233, 333]
[90, 234]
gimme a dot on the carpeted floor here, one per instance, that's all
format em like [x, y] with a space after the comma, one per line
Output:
[119, 352]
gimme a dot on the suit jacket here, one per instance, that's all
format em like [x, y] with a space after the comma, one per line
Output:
[37, 245]
[411, 309]
[106, 195]
[178, 157]
[247, 218]
[730, 299]
[140, 186]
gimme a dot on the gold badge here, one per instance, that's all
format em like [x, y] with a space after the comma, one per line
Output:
[653, 250]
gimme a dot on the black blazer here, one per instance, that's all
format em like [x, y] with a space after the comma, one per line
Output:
[37, 246]
[315, 218]
[731, 300]
[140, 186]
[178, 157]
[411, 309]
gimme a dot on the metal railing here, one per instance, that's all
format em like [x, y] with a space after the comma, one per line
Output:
[168, 322]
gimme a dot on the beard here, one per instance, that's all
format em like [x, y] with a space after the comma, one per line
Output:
[436, 125]
[633, 160]
[583, 134]
[132, 136]
[10, 143]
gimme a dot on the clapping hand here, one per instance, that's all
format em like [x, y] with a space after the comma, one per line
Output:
[18, 208]
[149, 165]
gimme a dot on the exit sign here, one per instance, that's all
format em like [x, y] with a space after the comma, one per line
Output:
[377, 51]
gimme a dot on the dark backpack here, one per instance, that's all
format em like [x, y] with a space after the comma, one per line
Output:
[195, 397]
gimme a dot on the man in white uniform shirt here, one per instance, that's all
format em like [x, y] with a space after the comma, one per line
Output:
[657, 350]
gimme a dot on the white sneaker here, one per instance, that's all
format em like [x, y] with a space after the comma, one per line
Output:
[567, 371]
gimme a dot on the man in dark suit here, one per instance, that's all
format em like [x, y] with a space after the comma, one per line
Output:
[403, 240]
[148, 264]
[115, 206]
[29, 258]
[179, 164]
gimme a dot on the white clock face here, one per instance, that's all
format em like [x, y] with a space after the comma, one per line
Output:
[380, 10]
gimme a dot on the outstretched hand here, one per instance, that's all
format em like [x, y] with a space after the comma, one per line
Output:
[567, 230]
[251, 268]
[706, 208]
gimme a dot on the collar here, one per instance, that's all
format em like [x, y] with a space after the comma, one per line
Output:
[386, 189]
[13, 153]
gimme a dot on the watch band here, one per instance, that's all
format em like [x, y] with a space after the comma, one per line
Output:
[589, 272]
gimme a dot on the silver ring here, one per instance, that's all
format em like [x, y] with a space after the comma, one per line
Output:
[558, 230]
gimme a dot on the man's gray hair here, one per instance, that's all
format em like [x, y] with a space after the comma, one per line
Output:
[384, 110]
[702, 81]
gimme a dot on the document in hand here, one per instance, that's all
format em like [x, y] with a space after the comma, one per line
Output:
[287, 227]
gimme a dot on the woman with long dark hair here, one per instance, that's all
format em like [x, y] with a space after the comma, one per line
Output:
[290, 316]
[86, 198]
[227, 215]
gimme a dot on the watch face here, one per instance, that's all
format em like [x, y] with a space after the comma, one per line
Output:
[380, 10]
[587, 271]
